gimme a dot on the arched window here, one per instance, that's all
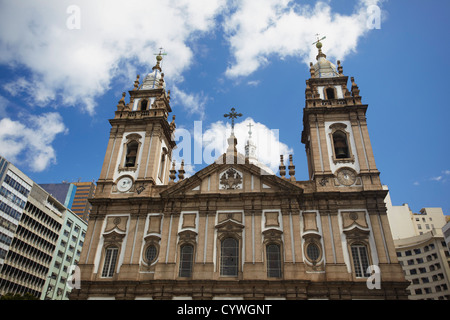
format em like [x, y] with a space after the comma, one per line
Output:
[144, 104]
[340, 143]
[229, 258]
[162, 164]
[186, 260]
[273, 261]
[330, 93]
[110, 261]
[130, 159]
[360, 260]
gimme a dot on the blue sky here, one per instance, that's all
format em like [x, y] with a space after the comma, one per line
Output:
[59, 86]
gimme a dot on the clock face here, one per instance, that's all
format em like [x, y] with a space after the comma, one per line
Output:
[124, 184]
[346, 177]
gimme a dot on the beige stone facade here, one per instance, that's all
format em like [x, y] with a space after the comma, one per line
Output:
[232, 230]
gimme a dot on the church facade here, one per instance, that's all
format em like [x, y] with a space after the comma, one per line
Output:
[233, 230]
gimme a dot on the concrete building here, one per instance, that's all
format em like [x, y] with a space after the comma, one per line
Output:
[15, 188]
[446, 232]
[426, 262]
[27, 262]
[233, 230]
[421, 250]
[40, 237]
[67, 255]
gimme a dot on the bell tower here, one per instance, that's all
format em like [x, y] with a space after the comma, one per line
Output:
[335, 131]
[139, 151]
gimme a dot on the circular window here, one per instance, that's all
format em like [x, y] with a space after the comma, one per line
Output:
[313, 252]
[150, 253]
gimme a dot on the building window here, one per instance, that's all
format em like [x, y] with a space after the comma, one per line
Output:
[340, 145]
[313, 252]
[110, 262]
[229, 257]
[186, 260]
[273, 261]
[130, 159]
[144, 104]
[330, 93]
[360, 260]
[151, 253]
[162, 164]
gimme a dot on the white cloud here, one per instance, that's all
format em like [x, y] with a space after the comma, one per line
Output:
[439, 178]
[30, 140]
[192, 103]
[79, 65]
[257, 30]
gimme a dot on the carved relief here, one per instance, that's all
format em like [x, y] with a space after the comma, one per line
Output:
[355, 225]
[119, 223]
[230, 180]
[354, 217]
[229, 215]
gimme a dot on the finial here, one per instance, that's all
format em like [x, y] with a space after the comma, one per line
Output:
[319, 46]
[173, 173]
[159, 59]
[172, 125]
[181, 171]
[136, 83]
[282, 167]
[121, 104]
[291, 168]
[232, 115]
[340, 69]
[355, 89]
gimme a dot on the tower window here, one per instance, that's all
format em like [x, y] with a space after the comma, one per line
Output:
[273, 261]
[110, 262]
[144, 105]
[130, 159]
[186, 260]
[360, 260]
[229, 257]
[162, 164]
[330, 93]
[340, 145]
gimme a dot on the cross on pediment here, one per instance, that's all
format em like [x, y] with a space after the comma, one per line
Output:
[232, 115]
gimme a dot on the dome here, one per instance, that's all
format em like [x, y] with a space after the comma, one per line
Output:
[325, 69]
[152, 80]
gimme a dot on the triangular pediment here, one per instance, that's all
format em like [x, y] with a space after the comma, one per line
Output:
[229, 179]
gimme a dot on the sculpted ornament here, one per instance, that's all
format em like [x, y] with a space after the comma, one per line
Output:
[231, 179]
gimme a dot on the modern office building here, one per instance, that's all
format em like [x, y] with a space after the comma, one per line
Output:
[81, 206]
[446, 232]
[15, 188]
[40, 238]
[67, 255]
[27, 262]
[421, 250]
[425, 260]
